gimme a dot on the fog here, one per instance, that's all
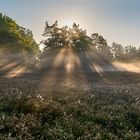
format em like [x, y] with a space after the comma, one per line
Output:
[11, 64]
[63, 66]
[130, 67]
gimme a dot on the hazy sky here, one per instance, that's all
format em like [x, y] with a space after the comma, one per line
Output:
[116, 20]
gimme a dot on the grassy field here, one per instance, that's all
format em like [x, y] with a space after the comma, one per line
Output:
[107, 108]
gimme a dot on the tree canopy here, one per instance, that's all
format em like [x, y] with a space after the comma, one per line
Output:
[59, 37]
[16, 38]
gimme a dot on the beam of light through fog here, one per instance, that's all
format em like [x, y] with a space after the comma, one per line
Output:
[116, 20]
[11, 64]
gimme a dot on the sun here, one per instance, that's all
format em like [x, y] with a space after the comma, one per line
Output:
[67, 22]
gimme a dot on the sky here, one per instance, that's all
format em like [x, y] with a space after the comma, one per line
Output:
[116, 20]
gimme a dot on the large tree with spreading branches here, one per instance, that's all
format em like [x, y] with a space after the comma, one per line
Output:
[59, 37]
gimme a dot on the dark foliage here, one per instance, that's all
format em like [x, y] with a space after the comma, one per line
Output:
[15, 38]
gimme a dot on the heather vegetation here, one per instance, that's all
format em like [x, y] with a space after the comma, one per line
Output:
[103, 112]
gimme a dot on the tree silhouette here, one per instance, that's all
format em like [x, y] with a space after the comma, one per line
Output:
[59, 37]
[130, 52]
[118, 51]
[101, 46]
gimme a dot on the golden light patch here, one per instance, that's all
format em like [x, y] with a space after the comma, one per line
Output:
[131, 67]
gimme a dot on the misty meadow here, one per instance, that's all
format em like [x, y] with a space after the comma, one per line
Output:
[69, 85]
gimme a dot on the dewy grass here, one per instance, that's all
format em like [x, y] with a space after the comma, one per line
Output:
[68, 114]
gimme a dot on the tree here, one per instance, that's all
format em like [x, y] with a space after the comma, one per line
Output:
[130, 52]
[101, 46]
[15, 37]
[118, 51]
[59, 37]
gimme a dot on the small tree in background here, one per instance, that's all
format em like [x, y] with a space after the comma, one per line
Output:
[130, 52]
[101, 46]
[118, 51]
